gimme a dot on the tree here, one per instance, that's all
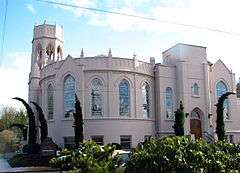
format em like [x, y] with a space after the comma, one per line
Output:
[10, 116]
[220, 128]
[179, 121]
[43, 122]
[78, 122]
[32, 147]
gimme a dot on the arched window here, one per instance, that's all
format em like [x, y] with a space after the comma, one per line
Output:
[195, 89]
[50, 93]
[145, 94]
[169, 103]
[221, 89]
[59, 53]
[196, 113]
[124, 98]
[69, 96]
[50, 52]
[96, 97]
[39, 55]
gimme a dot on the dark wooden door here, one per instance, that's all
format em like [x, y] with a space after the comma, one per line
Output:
[196, 128]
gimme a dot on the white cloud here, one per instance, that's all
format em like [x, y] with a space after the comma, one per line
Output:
[14, 78]
[30, 8]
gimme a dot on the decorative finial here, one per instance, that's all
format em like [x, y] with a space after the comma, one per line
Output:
[134, 55]
[110, 53]
[82, 54]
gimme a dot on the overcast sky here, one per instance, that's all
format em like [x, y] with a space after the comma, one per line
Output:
[97, 32]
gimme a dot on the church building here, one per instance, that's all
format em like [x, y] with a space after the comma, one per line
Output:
[125, 100]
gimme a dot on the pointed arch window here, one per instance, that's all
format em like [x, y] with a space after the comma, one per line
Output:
[145, 94]
[221, 89]
[195, 89]
[69, 96]
[169, 103]
[50, 93]
[124, 98]
[96, 97]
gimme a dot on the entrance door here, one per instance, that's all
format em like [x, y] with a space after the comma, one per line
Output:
[196, 128]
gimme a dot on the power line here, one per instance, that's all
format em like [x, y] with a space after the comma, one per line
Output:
[142, 17]
[4, 30]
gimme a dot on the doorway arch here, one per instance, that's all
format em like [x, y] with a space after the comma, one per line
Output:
[196, 122]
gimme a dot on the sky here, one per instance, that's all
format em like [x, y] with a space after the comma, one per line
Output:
[97, 32]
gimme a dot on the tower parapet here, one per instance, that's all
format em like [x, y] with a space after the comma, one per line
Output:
[47, 44]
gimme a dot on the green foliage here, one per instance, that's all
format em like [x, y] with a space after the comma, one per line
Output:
[78, 122]
[88, 158]
[179, 121]
[220, 128]
[181, 154]
[8, 141]
[29, 160]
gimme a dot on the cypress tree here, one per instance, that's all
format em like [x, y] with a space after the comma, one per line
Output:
[220, 128]
[179, 121]
[78, 122]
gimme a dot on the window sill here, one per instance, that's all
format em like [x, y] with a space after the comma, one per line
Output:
[68, 119]
[228, 121]
[169, 119]
[196, 96]
[51, 120]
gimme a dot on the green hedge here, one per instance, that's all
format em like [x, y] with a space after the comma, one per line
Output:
[183, 155]
[88, 158]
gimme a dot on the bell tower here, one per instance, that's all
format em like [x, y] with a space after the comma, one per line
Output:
[47, 47]
[47, 44]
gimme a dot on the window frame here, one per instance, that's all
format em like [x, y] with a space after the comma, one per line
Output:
[166, 108]
[124, 96]
[100, 98]
[146, 98]
[72, 100]
[50, 117]
[128, 141]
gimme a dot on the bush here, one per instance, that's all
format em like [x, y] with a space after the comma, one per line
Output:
[181, 154]
[28, 160]
[88, 158]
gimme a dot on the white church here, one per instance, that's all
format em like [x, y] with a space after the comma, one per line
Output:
[125, 100]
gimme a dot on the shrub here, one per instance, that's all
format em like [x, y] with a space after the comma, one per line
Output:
[181, 154]
[88, 158]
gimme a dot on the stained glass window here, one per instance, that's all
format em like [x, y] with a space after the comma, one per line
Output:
[69, 96]
[124, 98]
[145, 94]
[169, 103]
[221, 89]
[50, 93]
[96, 97]
[195, 89]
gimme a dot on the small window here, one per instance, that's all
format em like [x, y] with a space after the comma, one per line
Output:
[169, 103]
[145, 94]
[125, 142]
[50, 101]
[195, 90]
[69, 142]
[231, 138]
[147, 137]
[124, 98]
[98, 140]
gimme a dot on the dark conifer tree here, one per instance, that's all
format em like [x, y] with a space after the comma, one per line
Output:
[78, 122]
[179, 121]
[220, 128]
